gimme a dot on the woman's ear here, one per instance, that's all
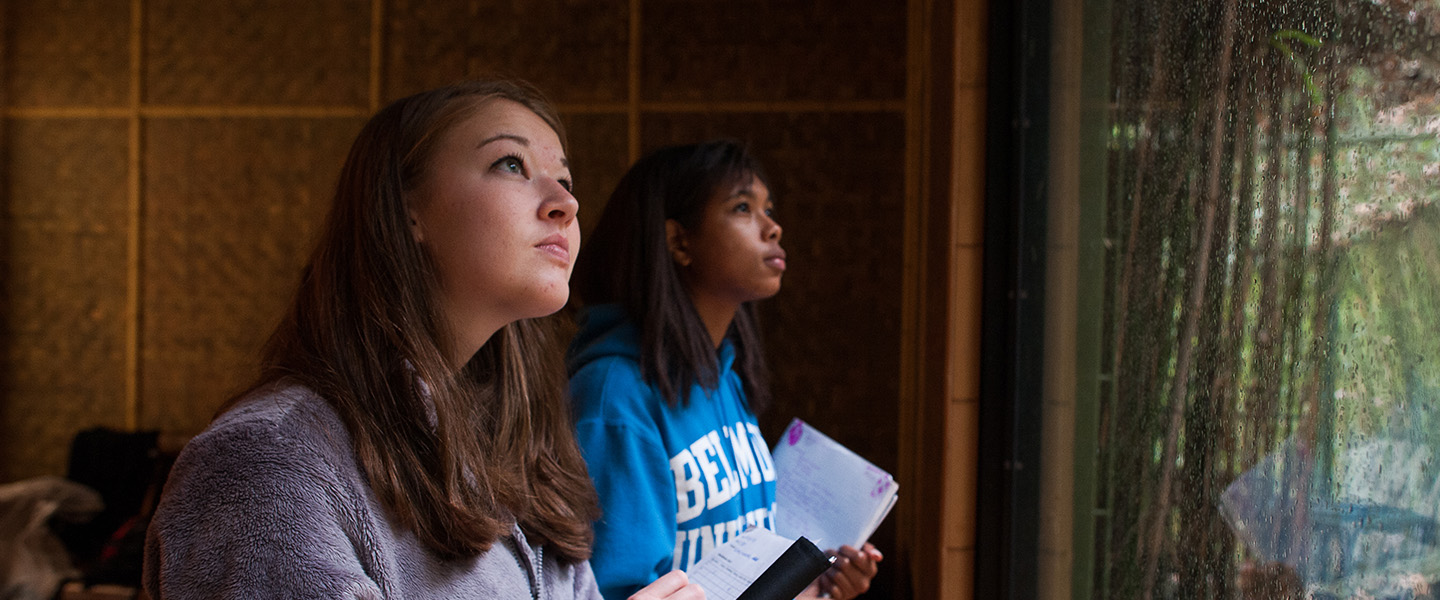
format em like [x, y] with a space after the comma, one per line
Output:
[677, 243]
[416, 231]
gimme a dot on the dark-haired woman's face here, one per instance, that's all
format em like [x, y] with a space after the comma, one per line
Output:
[734, 255]
[495, 213]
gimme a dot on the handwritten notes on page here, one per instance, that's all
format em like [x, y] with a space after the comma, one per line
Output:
[726, 572]
[825, 491]
[759, 565]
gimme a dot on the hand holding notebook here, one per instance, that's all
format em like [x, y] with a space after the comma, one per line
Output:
[824, 492]
[759, 565]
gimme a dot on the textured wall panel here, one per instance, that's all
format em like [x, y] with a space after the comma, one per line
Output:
[573, 50]
[231, 211]
[761, 50]
[62, 289]
[66, 52]
[597, 160]
[257, 52]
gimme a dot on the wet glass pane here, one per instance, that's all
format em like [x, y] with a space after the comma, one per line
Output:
[1270, 417]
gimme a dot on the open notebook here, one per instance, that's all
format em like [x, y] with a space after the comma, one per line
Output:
[826, 496]
[825, 491]
[759, 565]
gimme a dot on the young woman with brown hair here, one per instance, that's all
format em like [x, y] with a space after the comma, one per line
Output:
[408, 435]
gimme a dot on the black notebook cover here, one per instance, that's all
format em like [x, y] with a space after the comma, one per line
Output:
[799, 565]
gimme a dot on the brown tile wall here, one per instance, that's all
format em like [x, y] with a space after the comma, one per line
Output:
[577, 52]
[66, 52]
[759, 50]
[231, 209]
[164, 173]
[256, 52]
[63, 273]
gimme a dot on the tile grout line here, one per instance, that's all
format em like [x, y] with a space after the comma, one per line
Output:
[784, 106]
[8, 230]
[633, 86]
[184, 112]
[912, 297]
[377, 56]
[633, 109]
[134, 250]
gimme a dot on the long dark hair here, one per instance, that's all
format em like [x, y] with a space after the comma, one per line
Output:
[454, 457]
[626, 261]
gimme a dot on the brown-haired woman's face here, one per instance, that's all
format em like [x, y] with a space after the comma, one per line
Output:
[734, 255]
[495, 213]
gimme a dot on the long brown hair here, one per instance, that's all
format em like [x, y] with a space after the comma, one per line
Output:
[627, 261]
[455, 458]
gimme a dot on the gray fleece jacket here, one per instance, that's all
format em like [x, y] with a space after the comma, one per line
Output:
[269, 502]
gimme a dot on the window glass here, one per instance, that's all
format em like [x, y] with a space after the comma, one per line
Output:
[1269, 412]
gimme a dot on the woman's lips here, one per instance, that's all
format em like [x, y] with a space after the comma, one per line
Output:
[776, 261]
[556, 245]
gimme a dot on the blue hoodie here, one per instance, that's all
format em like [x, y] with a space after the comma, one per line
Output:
[674, 482]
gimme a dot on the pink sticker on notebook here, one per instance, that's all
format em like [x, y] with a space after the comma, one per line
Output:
[794, 435]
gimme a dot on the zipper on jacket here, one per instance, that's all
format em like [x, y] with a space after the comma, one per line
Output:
[533, 576]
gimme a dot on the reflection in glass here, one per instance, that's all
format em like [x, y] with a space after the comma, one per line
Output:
[1270, 412]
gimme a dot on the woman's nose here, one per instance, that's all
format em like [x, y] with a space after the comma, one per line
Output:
[559, 204]
[773, 231]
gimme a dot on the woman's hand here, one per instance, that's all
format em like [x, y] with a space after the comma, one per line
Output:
[673, 586]
[851, 574]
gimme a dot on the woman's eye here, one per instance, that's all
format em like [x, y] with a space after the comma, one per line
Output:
[743, 207]
[511, 164]
[770, 212]
[569, 187]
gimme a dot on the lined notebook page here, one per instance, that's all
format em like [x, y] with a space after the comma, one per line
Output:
[825, 491]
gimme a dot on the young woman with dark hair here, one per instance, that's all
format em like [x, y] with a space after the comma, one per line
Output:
[408, 435]
[668, 372]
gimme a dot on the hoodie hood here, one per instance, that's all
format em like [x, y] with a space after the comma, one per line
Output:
[606, 330]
